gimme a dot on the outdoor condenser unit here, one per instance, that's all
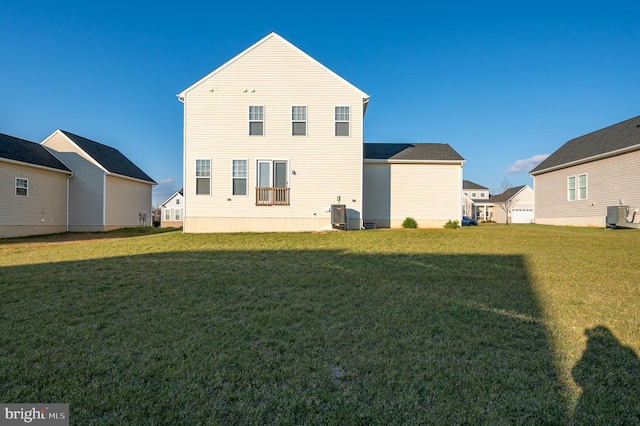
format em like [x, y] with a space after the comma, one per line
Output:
[339, 216]
[617, 218]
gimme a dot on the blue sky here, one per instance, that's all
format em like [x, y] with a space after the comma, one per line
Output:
[504, 83]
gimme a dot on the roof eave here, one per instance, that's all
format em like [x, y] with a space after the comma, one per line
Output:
[586, 160]
[399, 161]
[38, 166]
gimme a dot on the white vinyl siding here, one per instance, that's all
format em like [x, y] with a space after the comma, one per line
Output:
[608, 181]
[45, 204]
[428, 192]
[319, 170]
[128, 203]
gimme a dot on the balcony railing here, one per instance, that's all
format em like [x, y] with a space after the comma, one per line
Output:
[272, 196]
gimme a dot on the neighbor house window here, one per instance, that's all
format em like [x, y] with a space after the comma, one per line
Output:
[571, 188]
[256, 120]
[482, 195]
[239, 177]
[178, 214]
[177, 201]
[203, 177]
[473, 195]
[22, 186]
[342, 120]
[582, 187]
[299, 120]
[167, 214]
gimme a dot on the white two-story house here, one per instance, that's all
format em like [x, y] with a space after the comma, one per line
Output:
[272, 139]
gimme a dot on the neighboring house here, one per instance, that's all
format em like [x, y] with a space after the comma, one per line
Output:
[272, 139]
[107, 191]
[172, 211]
[575, 184]
[33, 187]
[421, 181]
[476, 202]
[515, 204]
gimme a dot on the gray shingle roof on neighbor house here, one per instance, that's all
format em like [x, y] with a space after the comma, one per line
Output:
[109, 158]
[467, 184]
[25, 151]
[621, 136]
[506, 195]
[411, 151]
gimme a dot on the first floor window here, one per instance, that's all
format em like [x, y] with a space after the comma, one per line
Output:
[203, 177]
[582, 187]
[22, 186]
[342, 120]
[256, 120]
[239, 177]
[299, 120]
[178, 214]
[167, 214]
[571, 188]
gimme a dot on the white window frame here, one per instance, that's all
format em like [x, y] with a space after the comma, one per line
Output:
[22, 185]
[256, 116]
[580, 187]
[167, 214]
[342, 114]
[177, 214]
[299, 115]
[203, 174]
[239, 176]
[571, 188]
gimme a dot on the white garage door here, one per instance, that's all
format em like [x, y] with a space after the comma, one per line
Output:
[522, 216]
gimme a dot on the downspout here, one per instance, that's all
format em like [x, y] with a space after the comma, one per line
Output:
[68, 180]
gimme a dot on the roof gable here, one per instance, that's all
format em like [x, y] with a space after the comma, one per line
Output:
[411, 152]
[109, 158]
[24, 151]
[467, 184]
[611, 140]
[507, 194]
[255, 50]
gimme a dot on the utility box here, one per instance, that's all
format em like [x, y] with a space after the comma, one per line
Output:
[339, 216]
[617, 215]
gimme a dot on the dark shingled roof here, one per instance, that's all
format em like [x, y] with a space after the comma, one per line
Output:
[506, 195]
[467, 184]
[25, 151]
[109, 158]
[410, 151]
[613, 138]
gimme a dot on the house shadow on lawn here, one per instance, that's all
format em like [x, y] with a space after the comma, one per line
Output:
[289, 337]
[609, 375]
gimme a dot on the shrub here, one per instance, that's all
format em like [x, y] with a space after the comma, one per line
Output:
[409, 223]
[452, 224]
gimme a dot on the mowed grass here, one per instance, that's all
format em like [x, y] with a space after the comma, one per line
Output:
[518, 324]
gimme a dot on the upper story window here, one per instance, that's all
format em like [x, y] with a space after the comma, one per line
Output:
[256, 120]
[177, 201]
[239, 177]
[577, 187]
[342, 120]
[22, 186]
[203, 177]
[482, 195]
[473, 195]
[299, 120]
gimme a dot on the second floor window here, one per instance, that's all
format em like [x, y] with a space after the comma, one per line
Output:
[22, 186]
[256, 120]
[299, 120]
[342, 120]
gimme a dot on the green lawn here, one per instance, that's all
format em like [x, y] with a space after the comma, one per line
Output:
[518, 324]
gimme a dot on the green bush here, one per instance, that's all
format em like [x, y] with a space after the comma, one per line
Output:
[452, 224]
[409, 223]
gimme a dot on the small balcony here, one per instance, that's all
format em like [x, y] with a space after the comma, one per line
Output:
[272, 196]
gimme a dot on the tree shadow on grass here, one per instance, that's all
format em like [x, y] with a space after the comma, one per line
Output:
[288, 337]
[609, 375]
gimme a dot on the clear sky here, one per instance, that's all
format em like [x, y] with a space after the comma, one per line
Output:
[504, 83]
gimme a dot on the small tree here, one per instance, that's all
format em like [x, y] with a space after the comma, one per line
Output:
[505, 200]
